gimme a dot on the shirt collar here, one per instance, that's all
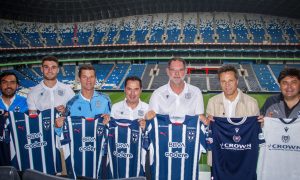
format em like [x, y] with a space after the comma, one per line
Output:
[48, 88]
[11, 101]
[126, 105]
[185, 89]
[86, 99]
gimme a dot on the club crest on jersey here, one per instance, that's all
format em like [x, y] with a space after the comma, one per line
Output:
[187, 95]
[285, 138]
[60, 92]
[77, 130]
[135, 137]
[100, 130]
[191, 134]
[98, 104]
[46, 124]
[140, 113]
[17, 109]
[236, 138]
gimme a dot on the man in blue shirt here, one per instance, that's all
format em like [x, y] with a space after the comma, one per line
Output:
[10, 101]
[88, 102]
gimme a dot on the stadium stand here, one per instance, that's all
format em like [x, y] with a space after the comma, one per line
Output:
[266, 79]
[116, 76]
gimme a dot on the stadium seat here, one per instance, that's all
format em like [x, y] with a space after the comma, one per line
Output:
[30, 174]
[8, 173]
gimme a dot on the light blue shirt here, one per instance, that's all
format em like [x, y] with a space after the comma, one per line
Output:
[18, 104]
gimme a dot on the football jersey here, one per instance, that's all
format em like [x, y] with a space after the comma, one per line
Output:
[33, 142]
[82, 141]
[279, 158]
[4, 146]
[175, 147]
[235, 145]
[124, 149]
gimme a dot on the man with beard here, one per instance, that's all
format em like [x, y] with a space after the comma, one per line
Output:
[50, 93]
[10, 101]
[177, 98]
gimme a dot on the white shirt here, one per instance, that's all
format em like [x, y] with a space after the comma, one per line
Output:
[188, 102]
[121, 110]
[230, 106]
[42, 97]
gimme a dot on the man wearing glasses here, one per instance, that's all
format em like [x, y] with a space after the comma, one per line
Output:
[177, 98]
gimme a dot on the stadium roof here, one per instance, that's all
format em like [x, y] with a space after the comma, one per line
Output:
[85, 10]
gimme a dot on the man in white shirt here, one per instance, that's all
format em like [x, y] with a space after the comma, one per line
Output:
[177, 98]
[131, 107]
[50, 93]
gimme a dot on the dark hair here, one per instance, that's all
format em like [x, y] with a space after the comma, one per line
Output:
[50, 58]
[294, 72]
[228, 68]
[177, 59]
[86, 67]
[9, 73]
[133, 78]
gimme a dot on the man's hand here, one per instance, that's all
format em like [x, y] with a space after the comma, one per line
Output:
[106, 118]
[203, 119]
[150, 115]
[61, 108]
[142, 123]
[59, 122]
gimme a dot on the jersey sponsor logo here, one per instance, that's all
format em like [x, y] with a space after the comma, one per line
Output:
[36, 144]
[177, 154]
[237, 147]
[176, 145]
[191, 134]
[284, 147]
[34, 135]
[286, 129]
[77, 130]
[135, 137]
[122, 145]
[87, 148]
[17, 109]
[88, 139]
[122, 154]
[236, 130]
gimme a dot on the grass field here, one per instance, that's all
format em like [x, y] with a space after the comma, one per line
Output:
[118, 96]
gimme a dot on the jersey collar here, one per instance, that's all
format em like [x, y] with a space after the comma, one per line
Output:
[48, 88]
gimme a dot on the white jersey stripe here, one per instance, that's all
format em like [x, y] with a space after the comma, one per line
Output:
[139, 153]
[53, 136]
[128, 152]
[16, 140]
[197, 141]
[29, 142]
[156, 148]
[95, 152]
[170, 151]
[183, 151]
[42, 147]
[83, 145]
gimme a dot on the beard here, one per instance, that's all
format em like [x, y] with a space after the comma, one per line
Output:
[8, 93]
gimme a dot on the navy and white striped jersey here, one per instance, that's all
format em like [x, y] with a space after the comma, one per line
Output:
[82, 141]
[124, 149]
[33, 142]
[279, 158]
[175, 147]
[235, 145]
